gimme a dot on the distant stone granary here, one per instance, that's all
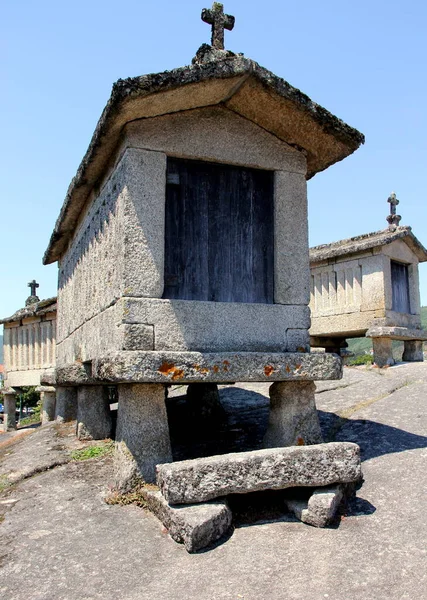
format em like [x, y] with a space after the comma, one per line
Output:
[29, 351]
[369, 285]
[167, 270]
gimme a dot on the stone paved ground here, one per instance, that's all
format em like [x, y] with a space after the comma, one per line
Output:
[59, 540]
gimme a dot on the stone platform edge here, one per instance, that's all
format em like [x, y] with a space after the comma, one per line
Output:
[189, 367]
[398, 333]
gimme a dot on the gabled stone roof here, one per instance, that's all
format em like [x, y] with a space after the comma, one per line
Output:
[37, 309]
[365, 242]
[220, 77]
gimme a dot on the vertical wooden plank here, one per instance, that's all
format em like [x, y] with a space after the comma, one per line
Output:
[219, 233]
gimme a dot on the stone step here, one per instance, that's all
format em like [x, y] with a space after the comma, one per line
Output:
[195, 526]
[202, 479]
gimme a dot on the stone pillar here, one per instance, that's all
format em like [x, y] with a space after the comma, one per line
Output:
[383, 354]
[204, 404]
[293, 419]
[142, 435]
[94, 420]
[47, 397]
[66, 404]
[9, 415]
[413, 351]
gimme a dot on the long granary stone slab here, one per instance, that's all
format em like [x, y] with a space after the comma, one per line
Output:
[203, 479]
[215, 367]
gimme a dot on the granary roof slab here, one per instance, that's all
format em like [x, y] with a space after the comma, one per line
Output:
[365, 242]
[236, 82]
[37, 309]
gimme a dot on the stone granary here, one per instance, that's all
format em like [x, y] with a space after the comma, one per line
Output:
[29, 351]
[183, 251]
[368, 285]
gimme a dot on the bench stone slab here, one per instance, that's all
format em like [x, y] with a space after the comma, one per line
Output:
[195, 526]
[203, 479]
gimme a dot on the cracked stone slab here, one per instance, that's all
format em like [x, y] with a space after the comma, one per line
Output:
[216, 367]
[320, 509]
[203, 479]
[195, 526]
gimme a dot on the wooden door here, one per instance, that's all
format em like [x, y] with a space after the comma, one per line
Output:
[219, 233]
[400, 287]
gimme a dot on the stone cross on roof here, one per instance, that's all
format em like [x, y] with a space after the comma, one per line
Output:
[393, 219]
[33, 297]
[219, 22]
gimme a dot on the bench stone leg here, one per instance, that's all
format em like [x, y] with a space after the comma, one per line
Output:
[94, 420]
[66, 404]
[413, 351]
[293, 416]
[48, 399]
[383, 354]
[9, 415]
[142, 435]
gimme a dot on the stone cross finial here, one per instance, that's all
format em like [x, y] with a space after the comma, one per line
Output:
[219, 22]
[393, 219]
[33, 285]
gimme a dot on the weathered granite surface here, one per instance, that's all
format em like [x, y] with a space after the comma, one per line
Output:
[321, 507]
[36, 309]
[196, 526]
[368, 240]
[220, 367]
[211, 477]
[397, 333]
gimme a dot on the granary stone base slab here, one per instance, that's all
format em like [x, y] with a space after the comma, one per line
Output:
[203, 479]
[142, 434]
[196, 526]
[293, 418]
[321, 507]
[383, 351]
[188, 367]
[397, 333]
[93, 413]
[66, 404]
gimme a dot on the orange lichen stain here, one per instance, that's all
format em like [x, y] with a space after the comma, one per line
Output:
[167, 368]
[298, 367]
[202, 370]
[268, 370]
[301, 349]
[215, 368]
[178, 373]
[226, 365]
[300, 441]
[288, 369]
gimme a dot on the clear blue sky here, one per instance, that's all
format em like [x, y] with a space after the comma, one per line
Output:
[364, 61]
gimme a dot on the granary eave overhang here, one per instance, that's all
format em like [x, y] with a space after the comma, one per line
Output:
[37, 309]
[236, 82]
[367, 241]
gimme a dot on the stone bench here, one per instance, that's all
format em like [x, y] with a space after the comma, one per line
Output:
[382, 338]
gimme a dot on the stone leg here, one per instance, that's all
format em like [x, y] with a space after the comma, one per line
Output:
[383, 355]
[204, 404]
[413, 351]
[293, 417]
[94, 420]
[142, 436]
[47, 397]
[9, 415]
[66, 404]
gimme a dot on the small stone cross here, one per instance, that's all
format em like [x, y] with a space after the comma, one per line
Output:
[219, 22]
[393, 219]
[33, 285]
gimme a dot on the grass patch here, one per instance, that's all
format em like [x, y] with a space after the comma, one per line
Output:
[96, 451]
[136, 496]
[361, 359]
[4, 483]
